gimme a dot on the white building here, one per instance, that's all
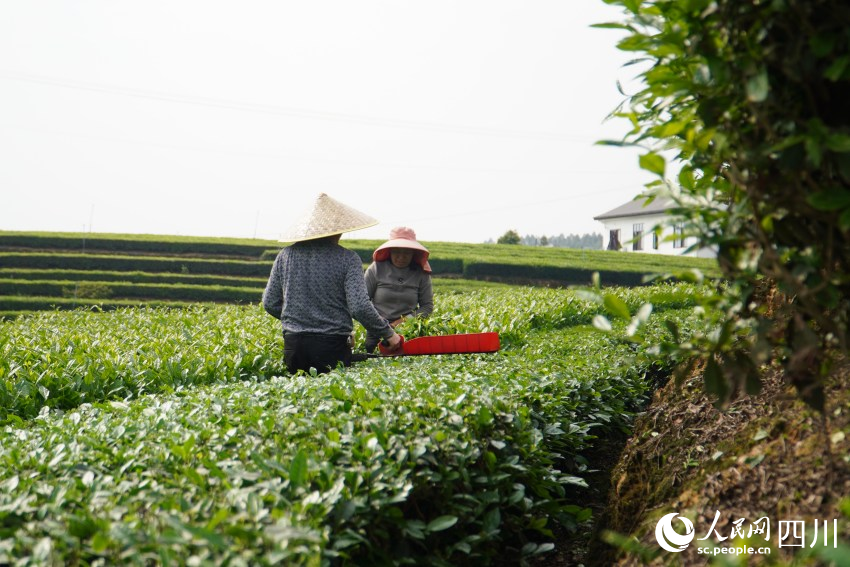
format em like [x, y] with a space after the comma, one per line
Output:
[629, 227]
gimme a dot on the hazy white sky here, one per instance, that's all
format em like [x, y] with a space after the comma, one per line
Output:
[459, 118]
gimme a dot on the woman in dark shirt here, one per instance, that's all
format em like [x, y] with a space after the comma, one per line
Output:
[316, 286]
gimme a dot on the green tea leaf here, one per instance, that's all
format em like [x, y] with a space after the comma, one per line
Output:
[836, 69]
[485, 416]
[652, 162]
[758, 86]
[441, 523]
[844, 220]
[492, 520]
[715, 382]
[298, 469]
[616, 306]
[831, 200]
[839, 143]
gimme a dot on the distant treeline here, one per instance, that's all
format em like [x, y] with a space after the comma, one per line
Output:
[591, 241]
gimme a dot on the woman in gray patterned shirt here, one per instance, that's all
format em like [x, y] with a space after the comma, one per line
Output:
[316, 286]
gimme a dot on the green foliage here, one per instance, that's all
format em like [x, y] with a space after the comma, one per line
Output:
[246, 248]
[141, 291]
[460, 285]
[515, 312]
[750, 99]
[61, 260]
[510, 237]
[571, 275]
[26, 304]
[60, 360]
[591, 241]
[43, 270]
[129, 277]
[27, 251]
[147, 436]
[269, 255]
[83, 290]
[469, 258]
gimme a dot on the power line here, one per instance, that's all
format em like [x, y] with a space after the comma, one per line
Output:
[296, 157]
[513, 206]
[306, 113]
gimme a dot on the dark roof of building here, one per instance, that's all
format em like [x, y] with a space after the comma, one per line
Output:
[638, 207]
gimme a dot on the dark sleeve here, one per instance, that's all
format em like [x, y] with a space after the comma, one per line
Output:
[273, 294]
[426, 297]
[359, 303]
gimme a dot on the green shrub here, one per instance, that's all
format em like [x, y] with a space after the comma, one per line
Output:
[105, 262]
[127, 243]
[172, 436]
[88, 290]
[21, 274]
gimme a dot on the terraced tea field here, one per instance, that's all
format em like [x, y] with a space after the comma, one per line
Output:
[175, 436]
[47, 271]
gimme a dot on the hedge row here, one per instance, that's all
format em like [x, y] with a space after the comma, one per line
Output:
[72, 261]
[130, 277]
[148, 244]
[628, 270]
[4, 315]
[595, 260]
[123, 290]
[570, 276]
[438, 265]
[471, 269]
[446, 257]
[364, 251]
[21, 304]
[475, 269]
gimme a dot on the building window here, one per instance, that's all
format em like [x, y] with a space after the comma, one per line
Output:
[614, 240]
[637, 236]
[679, 235]
[654, 240]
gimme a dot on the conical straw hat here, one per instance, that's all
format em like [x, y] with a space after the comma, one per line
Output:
[326, 217]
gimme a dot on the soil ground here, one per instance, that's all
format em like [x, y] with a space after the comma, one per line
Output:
[767, 455]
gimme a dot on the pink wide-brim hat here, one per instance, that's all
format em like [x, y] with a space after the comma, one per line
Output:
[403, 237]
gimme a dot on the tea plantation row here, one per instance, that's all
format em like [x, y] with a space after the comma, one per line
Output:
[43, 271]
[173, 436]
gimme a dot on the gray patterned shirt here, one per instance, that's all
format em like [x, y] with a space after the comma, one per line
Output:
[399, 291]
[317, 286]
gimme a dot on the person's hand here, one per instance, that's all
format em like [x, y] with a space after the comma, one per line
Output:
[393, 343]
